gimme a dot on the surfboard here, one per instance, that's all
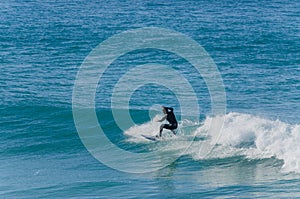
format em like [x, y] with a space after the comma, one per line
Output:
[149, 137]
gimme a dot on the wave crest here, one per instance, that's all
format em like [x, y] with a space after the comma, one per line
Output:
[256, 138]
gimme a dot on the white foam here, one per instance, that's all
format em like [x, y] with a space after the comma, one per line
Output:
[150, 128]
[258, 138]
[242, 134]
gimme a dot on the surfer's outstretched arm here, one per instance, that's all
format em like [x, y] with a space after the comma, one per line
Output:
[163, 118]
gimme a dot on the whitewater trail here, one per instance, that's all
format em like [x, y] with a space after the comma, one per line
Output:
[242, 135]
[262, 138]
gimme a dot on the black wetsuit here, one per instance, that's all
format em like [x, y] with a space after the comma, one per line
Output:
[171, 119]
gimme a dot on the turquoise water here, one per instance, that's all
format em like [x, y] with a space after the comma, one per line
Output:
[255, 46]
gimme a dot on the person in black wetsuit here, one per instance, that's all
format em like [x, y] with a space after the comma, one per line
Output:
[170, 117]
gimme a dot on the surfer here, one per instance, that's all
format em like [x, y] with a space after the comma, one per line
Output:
[170, 117]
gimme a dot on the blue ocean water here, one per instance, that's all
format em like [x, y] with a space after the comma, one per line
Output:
[255, 46]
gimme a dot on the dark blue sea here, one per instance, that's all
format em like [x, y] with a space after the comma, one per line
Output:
[81, 82]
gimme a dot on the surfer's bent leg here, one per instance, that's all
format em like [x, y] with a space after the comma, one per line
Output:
[161, 129]
[174, 126]
[171, 127]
